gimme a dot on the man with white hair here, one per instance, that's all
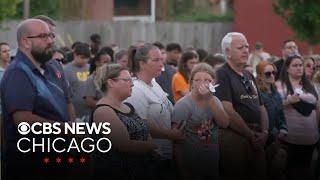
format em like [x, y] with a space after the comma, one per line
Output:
[242, 143]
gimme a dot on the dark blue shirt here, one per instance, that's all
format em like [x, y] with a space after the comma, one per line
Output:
[273, 104]
[19, 93]
[165, 80]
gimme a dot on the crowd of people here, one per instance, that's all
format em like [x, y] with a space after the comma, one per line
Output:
[175, 113]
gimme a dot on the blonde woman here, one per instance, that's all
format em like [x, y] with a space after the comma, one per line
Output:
[130, 134]
[199, 114]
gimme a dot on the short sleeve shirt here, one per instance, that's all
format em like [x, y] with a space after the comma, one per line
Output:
[18, 93]
[151, 102]
[241, 91]
[92, 90]
[77, 78]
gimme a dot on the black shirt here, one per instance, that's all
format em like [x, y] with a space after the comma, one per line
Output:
[278, 65]
[165, 80]
[241, 91]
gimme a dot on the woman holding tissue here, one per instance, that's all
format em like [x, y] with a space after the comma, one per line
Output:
[199, 114]
[300, 108]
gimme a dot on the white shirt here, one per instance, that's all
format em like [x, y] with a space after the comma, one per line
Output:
[151, 102]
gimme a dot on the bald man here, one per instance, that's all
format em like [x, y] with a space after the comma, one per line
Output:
[53, 62]
[31, 91]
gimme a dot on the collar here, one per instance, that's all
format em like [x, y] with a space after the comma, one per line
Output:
[233, 71]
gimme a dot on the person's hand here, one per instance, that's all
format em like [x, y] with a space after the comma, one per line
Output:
[204, 90]
[258, 140]
[254, 141]
[293, 98]
[261, 138]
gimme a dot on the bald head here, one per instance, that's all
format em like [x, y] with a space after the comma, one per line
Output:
[28, 26]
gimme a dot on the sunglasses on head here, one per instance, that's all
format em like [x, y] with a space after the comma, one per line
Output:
[268, 74]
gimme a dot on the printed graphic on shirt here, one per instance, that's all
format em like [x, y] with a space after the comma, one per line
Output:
[82, 76]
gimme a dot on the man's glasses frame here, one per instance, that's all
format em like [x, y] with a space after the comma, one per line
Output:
[43, 36]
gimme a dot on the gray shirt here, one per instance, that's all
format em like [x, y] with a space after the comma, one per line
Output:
[197, 147]
[195, 119]
[92, 90]
[77, 77]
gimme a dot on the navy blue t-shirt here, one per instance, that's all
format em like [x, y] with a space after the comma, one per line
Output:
[18, 93]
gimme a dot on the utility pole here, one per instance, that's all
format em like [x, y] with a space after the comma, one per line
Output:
[153, 10]
[26, 9]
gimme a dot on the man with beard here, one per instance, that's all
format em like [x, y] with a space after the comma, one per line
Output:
[30, 95]
[53, 64]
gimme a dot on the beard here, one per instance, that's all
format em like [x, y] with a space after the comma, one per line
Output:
[42, 55]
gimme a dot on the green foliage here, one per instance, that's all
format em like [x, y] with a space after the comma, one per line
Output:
[47, 7]
[185, 12]
[303, 16]
[8, 8]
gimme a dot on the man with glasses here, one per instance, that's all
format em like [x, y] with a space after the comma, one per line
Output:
[53, 63]
[242, 143]
[29, 95]
[289, 47]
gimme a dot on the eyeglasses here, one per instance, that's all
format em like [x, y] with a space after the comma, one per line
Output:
[43, 36]
[247, 84]
[268, 74]
[129, 79]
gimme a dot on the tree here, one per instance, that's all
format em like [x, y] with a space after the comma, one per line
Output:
[302, 16]
[8, 8]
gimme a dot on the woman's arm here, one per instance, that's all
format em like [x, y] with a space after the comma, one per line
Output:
[156, 132]
[119, 135]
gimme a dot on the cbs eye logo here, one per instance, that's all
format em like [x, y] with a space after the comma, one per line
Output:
[24, 128]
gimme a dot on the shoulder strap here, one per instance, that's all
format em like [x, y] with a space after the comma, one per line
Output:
[130, 106]
[41, 88]
[94, 110]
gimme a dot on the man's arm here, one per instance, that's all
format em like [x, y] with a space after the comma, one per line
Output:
[236, 121]
[27, 116]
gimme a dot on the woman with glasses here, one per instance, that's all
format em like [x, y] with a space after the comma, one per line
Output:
[265, 79]
[276, 156]
[199, 114]
[130, 134]
[180, 86]
[300, 101]
[151, 102]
